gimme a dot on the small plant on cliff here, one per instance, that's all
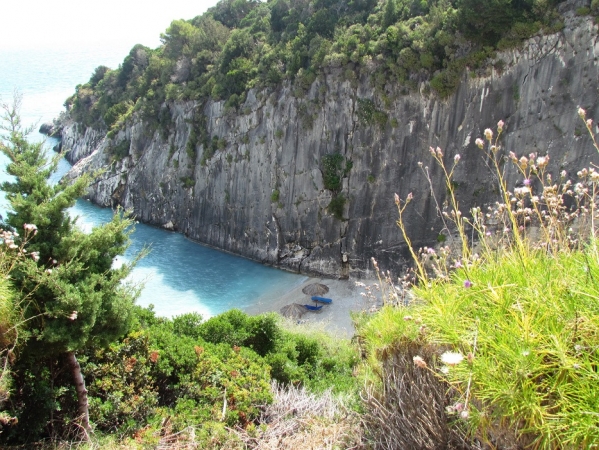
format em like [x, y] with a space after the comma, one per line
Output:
[508, 323]
[333, 171]
[368, 114]
[337, 205]
[274, 197]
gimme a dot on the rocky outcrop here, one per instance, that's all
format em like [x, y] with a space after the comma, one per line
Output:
[261, 192]
[48, 129]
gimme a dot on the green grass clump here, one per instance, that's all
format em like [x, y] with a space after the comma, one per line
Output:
[531, 328]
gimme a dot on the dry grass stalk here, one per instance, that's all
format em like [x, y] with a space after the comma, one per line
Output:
[408, 410]
[298, 419]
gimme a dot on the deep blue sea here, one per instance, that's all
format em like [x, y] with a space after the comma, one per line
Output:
[179, 275]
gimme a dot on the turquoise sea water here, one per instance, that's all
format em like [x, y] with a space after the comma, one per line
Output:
[179, 275]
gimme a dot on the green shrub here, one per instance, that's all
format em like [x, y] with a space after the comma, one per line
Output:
[187, 182]
[231, 327]
[368, 114]
[234, 327]
[308, 350]
[313, 358]
[188, 325]
[229, 380]
[264, 333]
[336, 206]
[333, 170]
[192, 142]
[121, 389]
[274, 197]
[583, 11]
[115, 112]
[120, 150]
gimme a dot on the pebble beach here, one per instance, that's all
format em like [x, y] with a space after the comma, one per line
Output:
[334, 318]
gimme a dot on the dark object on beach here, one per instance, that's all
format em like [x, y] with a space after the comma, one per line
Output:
[293, 311]
[313, 308]
[315, 289]
[328, 301]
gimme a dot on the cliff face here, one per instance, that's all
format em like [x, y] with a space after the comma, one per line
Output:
[262, 193]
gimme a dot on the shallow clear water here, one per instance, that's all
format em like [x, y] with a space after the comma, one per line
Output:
[179, 275]
[182, 276]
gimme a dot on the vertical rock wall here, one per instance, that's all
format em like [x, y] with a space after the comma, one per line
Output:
[262, 194]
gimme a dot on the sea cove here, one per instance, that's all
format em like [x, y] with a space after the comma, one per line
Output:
[179, 275]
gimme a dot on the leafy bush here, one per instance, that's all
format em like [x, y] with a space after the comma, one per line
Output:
[120, 150]
[332, 171]
[368, 114]
[234, 327]
[188, 182]
[274, 197]
[121, 388]
[187, 325]
[231, 384]
[337, 205]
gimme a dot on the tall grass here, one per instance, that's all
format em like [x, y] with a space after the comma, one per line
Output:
[511, 308]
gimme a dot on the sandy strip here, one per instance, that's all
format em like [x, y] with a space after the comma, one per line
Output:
[334, 317]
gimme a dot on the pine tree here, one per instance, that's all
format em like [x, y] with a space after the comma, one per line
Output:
[73, 297]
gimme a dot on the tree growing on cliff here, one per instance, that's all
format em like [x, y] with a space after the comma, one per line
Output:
[73, 297]
[486, 21]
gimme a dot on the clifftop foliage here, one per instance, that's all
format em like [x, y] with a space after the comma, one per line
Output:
[242, 44]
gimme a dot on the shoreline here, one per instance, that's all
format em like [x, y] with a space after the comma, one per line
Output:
[334, 318]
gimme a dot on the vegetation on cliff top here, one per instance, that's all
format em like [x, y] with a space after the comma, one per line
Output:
[242, 44]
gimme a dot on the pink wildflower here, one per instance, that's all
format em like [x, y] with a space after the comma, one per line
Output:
[419, 362]
[30, 228]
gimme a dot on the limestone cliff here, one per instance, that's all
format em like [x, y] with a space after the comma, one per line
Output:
[261, 194]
